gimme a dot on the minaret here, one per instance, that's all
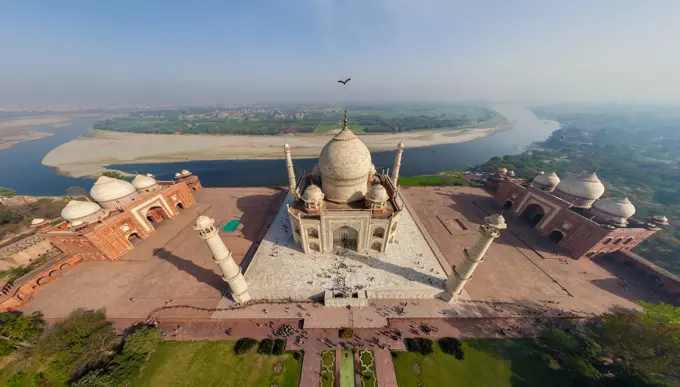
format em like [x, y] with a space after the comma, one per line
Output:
[462, 273]
[291, 172]
[397, 163]
[231, 272]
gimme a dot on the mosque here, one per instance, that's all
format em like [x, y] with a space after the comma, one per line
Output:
[123, 213]
[573, 212]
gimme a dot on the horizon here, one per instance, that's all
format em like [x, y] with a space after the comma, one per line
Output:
[124, 54]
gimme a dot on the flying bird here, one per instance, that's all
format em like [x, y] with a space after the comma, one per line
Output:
[345, 81]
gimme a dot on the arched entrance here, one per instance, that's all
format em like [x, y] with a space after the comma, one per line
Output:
[556, 236]
[134, 238]
[507, 205]
[156, 214]
[533, 214]
[179, 206]
[345, 237]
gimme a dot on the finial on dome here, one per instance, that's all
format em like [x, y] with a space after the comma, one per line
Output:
[344, 123]
[401, 145]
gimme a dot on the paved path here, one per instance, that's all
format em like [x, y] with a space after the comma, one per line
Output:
[384, 368]
[311, 364]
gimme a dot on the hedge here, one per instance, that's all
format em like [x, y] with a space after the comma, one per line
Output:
[420, 345]
[451, 346]
[244, 345]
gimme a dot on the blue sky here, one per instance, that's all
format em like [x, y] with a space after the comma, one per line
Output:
[95, 53]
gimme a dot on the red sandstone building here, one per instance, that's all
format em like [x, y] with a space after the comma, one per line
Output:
[123, 214]
[573, 213]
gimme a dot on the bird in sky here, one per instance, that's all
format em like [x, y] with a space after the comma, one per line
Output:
[345, 81]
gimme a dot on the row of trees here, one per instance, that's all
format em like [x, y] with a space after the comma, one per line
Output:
[84, 350]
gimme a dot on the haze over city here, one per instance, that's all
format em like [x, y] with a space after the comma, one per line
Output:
[91, 54]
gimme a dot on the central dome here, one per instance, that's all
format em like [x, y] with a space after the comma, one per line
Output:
[345, 164]
[107, 188]
[581, 192]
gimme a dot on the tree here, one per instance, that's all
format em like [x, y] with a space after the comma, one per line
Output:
[114, 175]
[7, 192]
[18, 331]
[84, 339]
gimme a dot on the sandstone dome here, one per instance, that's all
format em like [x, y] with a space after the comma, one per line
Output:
[581, 192]
[141, 182]
[345, 163]
[107, 188]
[76, 209]
[378, 193]
[619, 208]
[547, 179]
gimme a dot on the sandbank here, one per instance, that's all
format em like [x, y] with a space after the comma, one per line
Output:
[89, 156]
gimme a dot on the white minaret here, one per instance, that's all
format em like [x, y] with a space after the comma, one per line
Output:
[462, 273]
[397, 163]
[291, 172]
[231, 272]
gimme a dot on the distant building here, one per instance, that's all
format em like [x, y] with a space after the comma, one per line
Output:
[573, 213]
[124, 213]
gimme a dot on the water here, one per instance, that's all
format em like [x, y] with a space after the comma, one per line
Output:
[21, 168]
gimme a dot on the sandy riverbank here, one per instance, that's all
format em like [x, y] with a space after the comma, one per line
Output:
[17, 130]
[89, 156]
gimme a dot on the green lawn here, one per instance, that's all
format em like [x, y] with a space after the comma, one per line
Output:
[214, 363]
[497, 363]
[346, 369]
[328, 368]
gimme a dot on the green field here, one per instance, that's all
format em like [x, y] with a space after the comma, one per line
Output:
[214, 363]
[346, 369]
[455, 178]
[497, 363]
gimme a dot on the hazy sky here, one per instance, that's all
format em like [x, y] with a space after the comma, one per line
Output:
[107, 52]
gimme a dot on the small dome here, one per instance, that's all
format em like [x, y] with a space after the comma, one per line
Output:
[378, 193]
[107, 188]
[496, 220]
[76, 209]
[503, 170]
[203, 222]
[178, 174]
[511, 173]
[141, 182]
[312, 193]
[185, 172]
[401, 145]
[620, 208]
[549, 180]
[37, 221]
[618, 221]
[660, 219]
[589, 188]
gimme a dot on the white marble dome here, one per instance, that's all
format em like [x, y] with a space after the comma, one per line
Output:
[185, 172]
[178, 174]
[142, 182]
[581, 192]
[312, 193]
[345, 163]
[37, 221]
[378, 193]
[620, 208]
[106, 189]
[547, 179]
[76, 209]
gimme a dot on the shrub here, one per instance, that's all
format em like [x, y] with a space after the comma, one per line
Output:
[244, 345]
[346, 333]
[266, 347]
[394, 354]
[451, 346]
[297, 355]
[142, 340]
[420, 345]
[15, 380]
[279, 346]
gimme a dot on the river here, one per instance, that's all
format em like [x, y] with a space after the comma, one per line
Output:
[21, 168]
